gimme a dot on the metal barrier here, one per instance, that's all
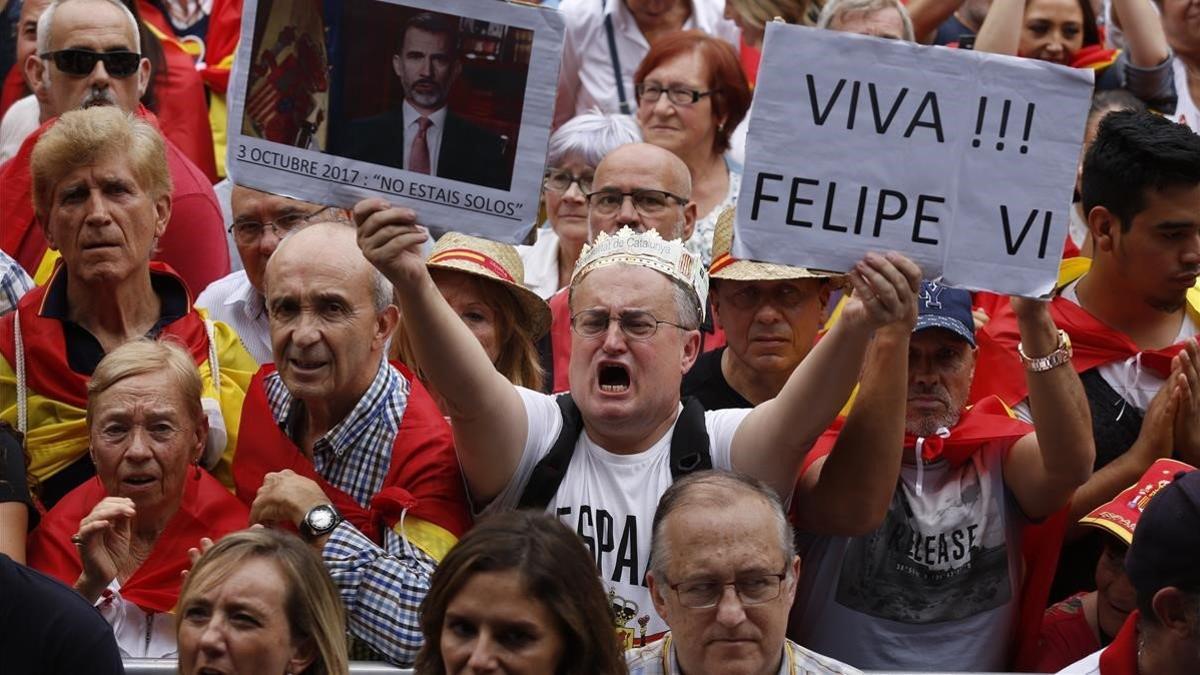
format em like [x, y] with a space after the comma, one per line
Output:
[170, 667]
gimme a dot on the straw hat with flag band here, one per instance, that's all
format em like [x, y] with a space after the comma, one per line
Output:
[498, 263]
[725, 266]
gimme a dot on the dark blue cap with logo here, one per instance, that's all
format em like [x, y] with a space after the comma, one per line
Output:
[1166, 544]
[940, 306]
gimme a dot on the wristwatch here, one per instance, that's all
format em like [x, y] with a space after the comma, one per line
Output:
[1056, 358]
[319, 521]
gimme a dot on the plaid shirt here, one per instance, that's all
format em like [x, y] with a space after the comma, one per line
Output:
[382, 588]
[658, 658]
[14, 283]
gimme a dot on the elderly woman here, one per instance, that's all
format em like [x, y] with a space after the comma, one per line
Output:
[751, 16]
[260, 602]
[122, 540]
[102, 192]
[691, 94]
[518, 594]
[575, 150]
[484, 282]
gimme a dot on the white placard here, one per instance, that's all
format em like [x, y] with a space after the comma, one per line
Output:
[963, 161]
[320, 109]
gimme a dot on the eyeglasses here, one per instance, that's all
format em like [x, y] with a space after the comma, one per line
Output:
[636, 324]
[650, 93]
[646, 202]
[82, 62]
[785, 296]
[560, 181]
[751, 590]
[247, 232]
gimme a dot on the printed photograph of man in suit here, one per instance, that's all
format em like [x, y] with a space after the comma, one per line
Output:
[422, 135]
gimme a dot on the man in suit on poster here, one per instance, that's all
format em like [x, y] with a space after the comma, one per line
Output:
[422, 135]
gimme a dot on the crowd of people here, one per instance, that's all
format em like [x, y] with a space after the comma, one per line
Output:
[255, 434]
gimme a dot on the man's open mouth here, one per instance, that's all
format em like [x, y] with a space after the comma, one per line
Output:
[614, 378]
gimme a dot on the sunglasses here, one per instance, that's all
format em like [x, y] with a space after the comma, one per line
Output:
[82, 62]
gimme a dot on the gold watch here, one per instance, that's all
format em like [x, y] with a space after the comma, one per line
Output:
[1061, 355]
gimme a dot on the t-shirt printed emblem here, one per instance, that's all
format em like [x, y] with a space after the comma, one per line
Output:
[937, 557]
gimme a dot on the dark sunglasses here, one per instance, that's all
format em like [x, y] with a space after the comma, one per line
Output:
[83, 61]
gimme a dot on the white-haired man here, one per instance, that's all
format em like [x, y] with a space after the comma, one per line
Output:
[88, 54]
[877, 18]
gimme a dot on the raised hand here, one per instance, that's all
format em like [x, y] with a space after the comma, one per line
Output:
[391, 239]
[885, 291]
[285, 497]
[1185, 372]
[103, 541]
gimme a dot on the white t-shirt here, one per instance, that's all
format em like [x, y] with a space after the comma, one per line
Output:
[1088, 665]
[610, 499]
[1185, 108]
[139, 635]
[935, 587]
[585, 77]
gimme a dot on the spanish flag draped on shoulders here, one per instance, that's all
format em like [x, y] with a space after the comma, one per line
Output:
[998, 370]
[57, 434]
[206, 510]
[422, 497]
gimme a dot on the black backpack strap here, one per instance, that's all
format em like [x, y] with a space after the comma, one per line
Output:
[616, 62]
[548, 473]
[689, 446]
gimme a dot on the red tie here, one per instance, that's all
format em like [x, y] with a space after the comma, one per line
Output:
[418, 157]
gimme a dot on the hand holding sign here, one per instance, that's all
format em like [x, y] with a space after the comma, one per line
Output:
[391, 239]
[950, 157]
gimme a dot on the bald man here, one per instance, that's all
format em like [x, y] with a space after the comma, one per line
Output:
[640, 186]
[334, 431]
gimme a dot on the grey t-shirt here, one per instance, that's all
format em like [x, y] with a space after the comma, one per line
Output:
[935, 587]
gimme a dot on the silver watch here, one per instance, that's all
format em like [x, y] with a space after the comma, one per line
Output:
[319, 521]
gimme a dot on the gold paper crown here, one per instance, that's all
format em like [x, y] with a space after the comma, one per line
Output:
[645, 249]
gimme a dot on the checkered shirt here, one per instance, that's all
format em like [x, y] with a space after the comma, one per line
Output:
[659, 658]
[14, 283]
[382, 588]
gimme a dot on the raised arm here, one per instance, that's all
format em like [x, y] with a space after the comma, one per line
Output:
[773, 439]
[1044, 468]
[487, 414]
[847, 492]
[1001, 30]
[1144, 36]
[927, 15]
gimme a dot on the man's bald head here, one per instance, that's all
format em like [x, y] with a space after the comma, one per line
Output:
[641, 166]
[334, 243]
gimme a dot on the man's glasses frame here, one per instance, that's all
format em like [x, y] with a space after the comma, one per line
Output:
[248, 232]
[646, 202]
[119, 63]
[707, 593]
[635, 324]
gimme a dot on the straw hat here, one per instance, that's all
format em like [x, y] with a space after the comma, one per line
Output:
[725, 266]
[498, 263]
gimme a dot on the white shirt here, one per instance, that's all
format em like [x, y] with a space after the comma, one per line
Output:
[585, 78]
[541, 263]
[433, 135]
[1088, 665]
[233, 301]
[1185, 108]
[609, 499]
[19, 121]
[139, 635]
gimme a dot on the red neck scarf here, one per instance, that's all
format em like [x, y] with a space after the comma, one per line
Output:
[206, 510]
[985, 422]
[46, 348]
[999, 371]
[423, 449]
[1121, 657]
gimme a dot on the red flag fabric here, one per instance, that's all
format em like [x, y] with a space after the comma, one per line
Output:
[206, 510]
[1121, 657]
[423, 476]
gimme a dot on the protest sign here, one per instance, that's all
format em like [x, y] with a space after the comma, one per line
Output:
[963, 161]
[443, 106]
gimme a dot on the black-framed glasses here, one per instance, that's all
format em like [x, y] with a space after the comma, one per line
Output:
[650, 93]
[248, 232]
[81, 62]
[754, 589]
[646, 202]
[635, 324]
[559, 180]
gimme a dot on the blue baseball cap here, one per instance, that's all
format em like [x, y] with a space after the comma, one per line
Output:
[944, 307]
[1166, 545]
